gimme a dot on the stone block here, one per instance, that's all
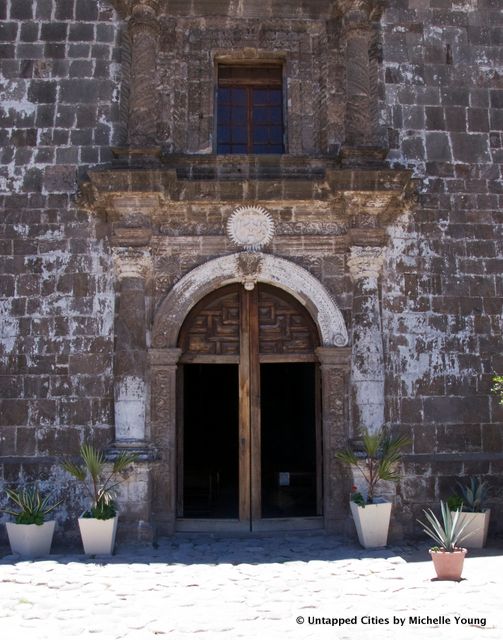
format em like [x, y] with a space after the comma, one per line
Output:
[21, 10]
[60, 441]
[81, 32]
[438, 147]
[42, 91]
[455, 118]
[470, 148]
[60, 179]
[79, 91]
[86, 10]
[13, 412]
[478, 120]
[65, 9]
[8, 31]
[54, 31]
[25, 441]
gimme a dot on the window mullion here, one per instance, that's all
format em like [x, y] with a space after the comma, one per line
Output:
[249, 119]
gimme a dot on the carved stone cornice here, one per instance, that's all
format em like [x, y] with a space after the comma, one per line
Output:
[365, 262]
[131, 263]
[119, 191]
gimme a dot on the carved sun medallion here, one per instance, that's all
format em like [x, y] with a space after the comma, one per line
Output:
[250, 228]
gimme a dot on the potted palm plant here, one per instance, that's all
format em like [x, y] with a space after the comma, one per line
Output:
[376, 460]
[448, 557]
[30, 535]
[470, 499]
[98, 525]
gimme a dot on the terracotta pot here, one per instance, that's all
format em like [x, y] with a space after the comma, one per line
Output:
[448, 564]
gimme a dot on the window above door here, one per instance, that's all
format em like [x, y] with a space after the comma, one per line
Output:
[250, 109]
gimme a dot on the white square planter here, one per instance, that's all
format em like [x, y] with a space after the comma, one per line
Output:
[478, 524]
[98, 536]
[31, 540]
[372, 523]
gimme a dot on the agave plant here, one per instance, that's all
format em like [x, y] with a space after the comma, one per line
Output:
[474, 495]
[447, 533]
[99, 486]
[33, 508]
[382, 453]
[497, 387]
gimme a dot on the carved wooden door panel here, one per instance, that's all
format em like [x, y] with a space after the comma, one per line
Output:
[248, 329]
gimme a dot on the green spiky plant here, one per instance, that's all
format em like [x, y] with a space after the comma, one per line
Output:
[473, 496]
[497, 387]
[381, 455]
[100, 487]
[447, 533]
[32, 507]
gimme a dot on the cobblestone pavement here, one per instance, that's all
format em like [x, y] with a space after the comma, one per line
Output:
[263, 588]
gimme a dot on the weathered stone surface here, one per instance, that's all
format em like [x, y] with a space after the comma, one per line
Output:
[432, 87]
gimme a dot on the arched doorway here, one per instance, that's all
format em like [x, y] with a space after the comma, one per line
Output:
[249, 434]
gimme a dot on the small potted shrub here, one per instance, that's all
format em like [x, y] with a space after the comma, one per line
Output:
[448, 557]
[470, 499]
[377, 460]
[98, 524]
[30, 535]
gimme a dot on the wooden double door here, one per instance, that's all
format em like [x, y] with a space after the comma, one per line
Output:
[249, 441]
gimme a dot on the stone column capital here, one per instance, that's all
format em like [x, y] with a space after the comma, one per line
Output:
[164, 357]
[337, 357]
[144, 23]
[131, 263]
[365, 262]
[145, 7]
[360, 12]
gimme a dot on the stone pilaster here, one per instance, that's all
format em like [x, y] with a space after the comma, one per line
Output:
[357, 35]
[334, 366]
[163, 373]
[367, 361]
[130, 346]
[144, 34]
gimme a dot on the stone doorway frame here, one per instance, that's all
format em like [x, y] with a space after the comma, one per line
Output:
[334, 358]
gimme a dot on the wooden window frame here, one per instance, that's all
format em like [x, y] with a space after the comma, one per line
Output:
[251, 77]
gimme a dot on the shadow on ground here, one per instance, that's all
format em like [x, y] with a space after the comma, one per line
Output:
[217, 549]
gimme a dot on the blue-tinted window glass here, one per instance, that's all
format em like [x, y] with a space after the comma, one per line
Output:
[239, 116]
[260, 135]
[239, 135]
[249, 118]
[239, 96]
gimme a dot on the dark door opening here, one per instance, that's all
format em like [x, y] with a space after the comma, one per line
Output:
[249, 435]
[210, 452]
[288, 428]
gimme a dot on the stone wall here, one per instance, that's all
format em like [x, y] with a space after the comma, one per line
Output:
[438, 69]
[442, 287]
[59, 110]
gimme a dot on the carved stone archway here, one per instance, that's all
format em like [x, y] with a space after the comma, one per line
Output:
[333, 356]
[249, 267]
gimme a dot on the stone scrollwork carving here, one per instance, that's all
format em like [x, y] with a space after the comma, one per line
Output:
[250, 228]
[144, 32]
[249, 265]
